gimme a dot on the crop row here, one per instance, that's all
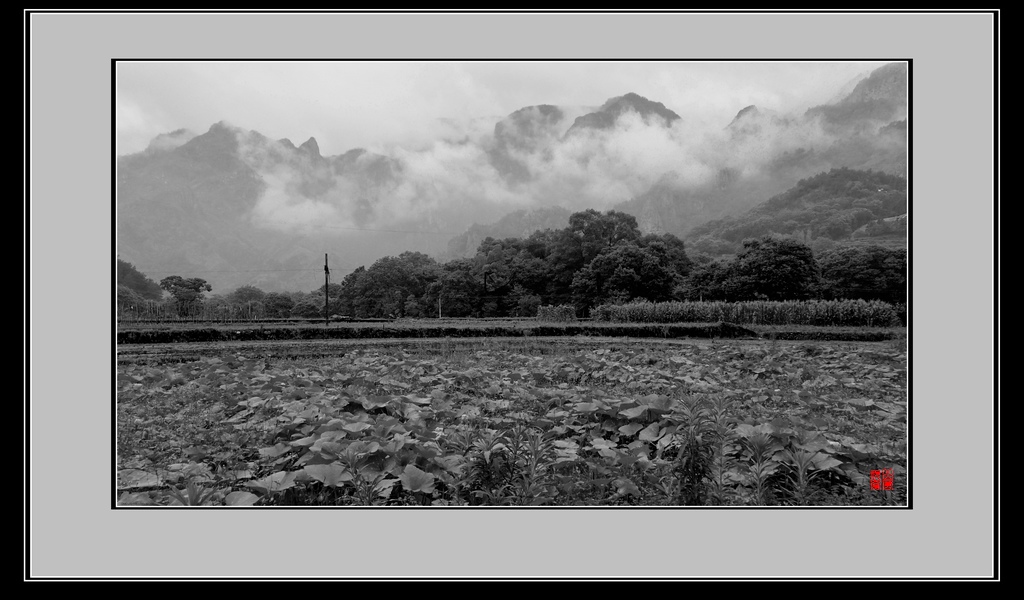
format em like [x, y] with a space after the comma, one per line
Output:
[827, 313]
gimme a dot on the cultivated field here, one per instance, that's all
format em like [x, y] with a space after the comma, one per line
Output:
[513, 421]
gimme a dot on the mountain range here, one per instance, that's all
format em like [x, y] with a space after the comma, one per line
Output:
[237, 208]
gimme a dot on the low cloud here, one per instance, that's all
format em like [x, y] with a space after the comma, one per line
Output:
[170, 141]
[449, 184]
[284, 206]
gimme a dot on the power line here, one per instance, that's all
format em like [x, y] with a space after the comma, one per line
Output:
[318, 226]
[172, 270]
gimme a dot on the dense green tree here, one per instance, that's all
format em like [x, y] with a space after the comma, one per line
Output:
[413, 307]
[673, 248]
[391, 280]
[384, 289]
[772, 268]
[566, 251]
[130, 277]
[457, 288]
[509, 264]
[252, 309]
[529, 270]
[127, 297]
[624, 272]
[595, 231]
[278, 305]
[310, 307]
[351, 300]
[706, 282]
[524, 303]
[864, 272]
[246, 293]
[217, 307]
[187, 293]
[333, 290]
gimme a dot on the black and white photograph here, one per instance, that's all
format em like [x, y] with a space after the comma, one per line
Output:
[563, 295]
[512, 283]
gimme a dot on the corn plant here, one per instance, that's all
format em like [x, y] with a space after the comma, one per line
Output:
[724, 463]
[760, 449]
[799, 466]
[693, 465]
[489, 473]
[833, 313]
[532, 453]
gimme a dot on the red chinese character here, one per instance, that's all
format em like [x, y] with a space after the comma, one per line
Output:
[887, 479]
[876, 479]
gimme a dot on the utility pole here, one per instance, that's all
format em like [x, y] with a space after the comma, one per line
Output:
[327, 273]
[483, 297]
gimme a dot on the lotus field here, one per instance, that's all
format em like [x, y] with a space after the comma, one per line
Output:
[537, 422]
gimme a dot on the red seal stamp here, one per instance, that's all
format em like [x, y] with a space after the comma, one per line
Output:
[881, 479]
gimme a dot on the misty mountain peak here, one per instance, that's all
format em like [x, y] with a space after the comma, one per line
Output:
[748, 112]
[528, 121]
[310, 147]
[606, 116]
[527, 127]
[888, 82]
[752, 119]
[218, 145]
[170, 140]
[879, 97]
[639, 104]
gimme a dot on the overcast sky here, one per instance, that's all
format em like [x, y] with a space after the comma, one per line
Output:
[381, 104]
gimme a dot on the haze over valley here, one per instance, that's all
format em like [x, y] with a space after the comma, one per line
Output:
[237, 206]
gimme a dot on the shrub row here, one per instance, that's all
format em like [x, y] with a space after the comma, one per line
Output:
[822, 313]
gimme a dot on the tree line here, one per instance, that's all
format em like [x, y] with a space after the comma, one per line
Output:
[599, 258]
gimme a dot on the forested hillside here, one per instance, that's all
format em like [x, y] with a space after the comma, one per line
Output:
[837, 206]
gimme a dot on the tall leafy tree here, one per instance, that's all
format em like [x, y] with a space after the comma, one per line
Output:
[309, 306]
[707, 281]
[457, 288]
[772, 268]
[673, 248]
[385, 288]
[278, 305]
[595, 231]
[245, 294]
[351, 300]
[568, 250]
[187, 293]
[625, 272]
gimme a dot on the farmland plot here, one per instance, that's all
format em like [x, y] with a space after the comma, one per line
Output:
[518, 423]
